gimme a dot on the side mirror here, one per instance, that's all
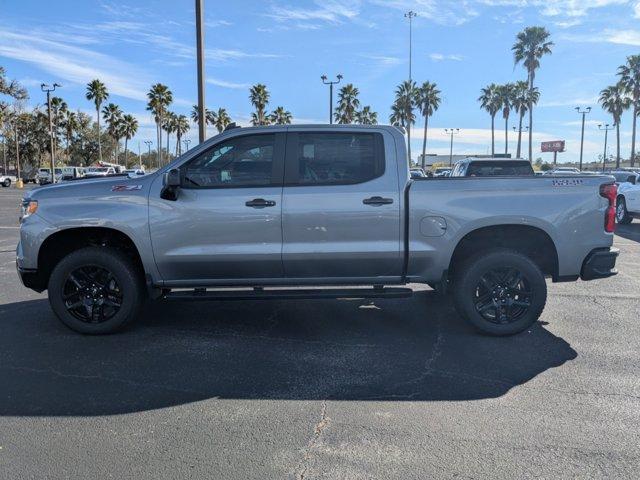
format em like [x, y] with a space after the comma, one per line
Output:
[170, 185]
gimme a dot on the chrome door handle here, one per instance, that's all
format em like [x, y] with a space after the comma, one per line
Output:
[377, 201]
[260, 203]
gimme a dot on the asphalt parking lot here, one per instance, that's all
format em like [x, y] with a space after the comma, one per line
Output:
[324, 388]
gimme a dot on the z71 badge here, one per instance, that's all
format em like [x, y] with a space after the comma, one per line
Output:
[125, 188]
[567, 182]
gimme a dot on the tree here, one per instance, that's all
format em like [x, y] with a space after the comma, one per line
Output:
[209, 116]
[366, 116]
[522, 98]
[129, 127]
[427, 101]
[221, 120]
[280, 116]
[11, 88]
[169, 126]
[489, 101]
[181, 127]
[259, 97]
[505, 95]
[402, 109]
[630, 77]
[531, 45]
[348, 104]
[615, 101]
[70, 124]
[58, 109]
[112, 115]
[97, 91]
[160, 97]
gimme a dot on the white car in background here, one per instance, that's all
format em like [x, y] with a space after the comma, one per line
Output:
[563, 171]
[99, 171]
[135, 172]
[7, 180]
[628, 201]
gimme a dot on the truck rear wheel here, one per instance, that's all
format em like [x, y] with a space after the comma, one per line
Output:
[95, 290]
[500, 292]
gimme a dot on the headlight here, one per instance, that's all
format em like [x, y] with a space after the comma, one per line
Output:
[29, 207]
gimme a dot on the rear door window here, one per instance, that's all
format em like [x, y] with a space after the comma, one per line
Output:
[334, 158]
[500, 168]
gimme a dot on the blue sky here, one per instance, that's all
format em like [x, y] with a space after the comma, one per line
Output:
[286, 44]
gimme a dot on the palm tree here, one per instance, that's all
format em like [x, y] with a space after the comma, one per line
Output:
[531, 45]
[259, 97]
[366, 116]
[181, 127]
[97, 91]
[614, 100]
[160, 97]
[70, 125]
[505, 95]
[58, 108]
[406, 99]
[129, 127]
[280, 116]
[222, 120]
[169, 126]
[522, 97]
[209, 116]
[112, 115]
[427, 101]
[348, 104]
[489, 101]
[630, 78]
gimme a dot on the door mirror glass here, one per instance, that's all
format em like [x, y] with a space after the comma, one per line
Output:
[172, 178]
[171, 185]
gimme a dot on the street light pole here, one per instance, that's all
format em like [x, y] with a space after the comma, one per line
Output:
[149, 143]
[584, 113]
[47, 88]
[186, 142]
[202, 121]
[331, 84]
[451, 132]
[410, 15]
[606, 129]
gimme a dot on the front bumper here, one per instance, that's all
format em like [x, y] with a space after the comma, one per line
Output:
[600, 263]
[31, 279]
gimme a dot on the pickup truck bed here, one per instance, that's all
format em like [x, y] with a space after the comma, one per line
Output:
[312, 206]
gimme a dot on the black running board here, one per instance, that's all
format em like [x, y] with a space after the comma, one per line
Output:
[288, 294]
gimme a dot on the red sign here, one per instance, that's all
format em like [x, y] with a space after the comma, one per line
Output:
[554, 146]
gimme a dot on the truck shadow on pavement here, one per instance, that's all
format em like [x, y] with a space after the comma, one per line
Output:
[416, 349]
[630, 231]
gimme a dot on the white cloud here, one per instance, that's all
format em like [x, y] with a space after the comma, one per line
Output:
[225, 84]
[443, 12]
[384, 60]
[438, 57]
[74, 64]
[619, 37]
[332, 11]
[636, 10]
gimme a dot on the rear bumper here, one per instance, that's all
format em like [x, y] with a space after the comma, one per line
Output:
[600, 263]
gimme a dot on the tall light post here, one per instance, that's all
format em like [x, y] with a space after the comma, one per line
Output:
[410, 15]
[186, 142]
[583, 113]
[149, 143]
[451, 132]
[202, 121]
[606, 129]
[51, 88]
[331, 84]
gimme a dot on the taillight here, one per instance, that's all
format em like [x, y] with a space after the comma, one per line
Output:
[610, 192]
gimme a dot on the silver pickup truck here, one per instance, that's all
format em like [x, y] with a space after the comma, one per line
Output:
[254, 211]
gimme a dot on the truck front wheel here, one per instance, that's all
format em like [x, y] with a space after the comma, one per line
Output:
[6, 183]
[500, 292]
[95, 290]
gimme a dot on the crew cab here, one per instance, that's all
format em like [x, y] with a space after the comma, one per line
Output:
[253, 210]
[628, 202]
